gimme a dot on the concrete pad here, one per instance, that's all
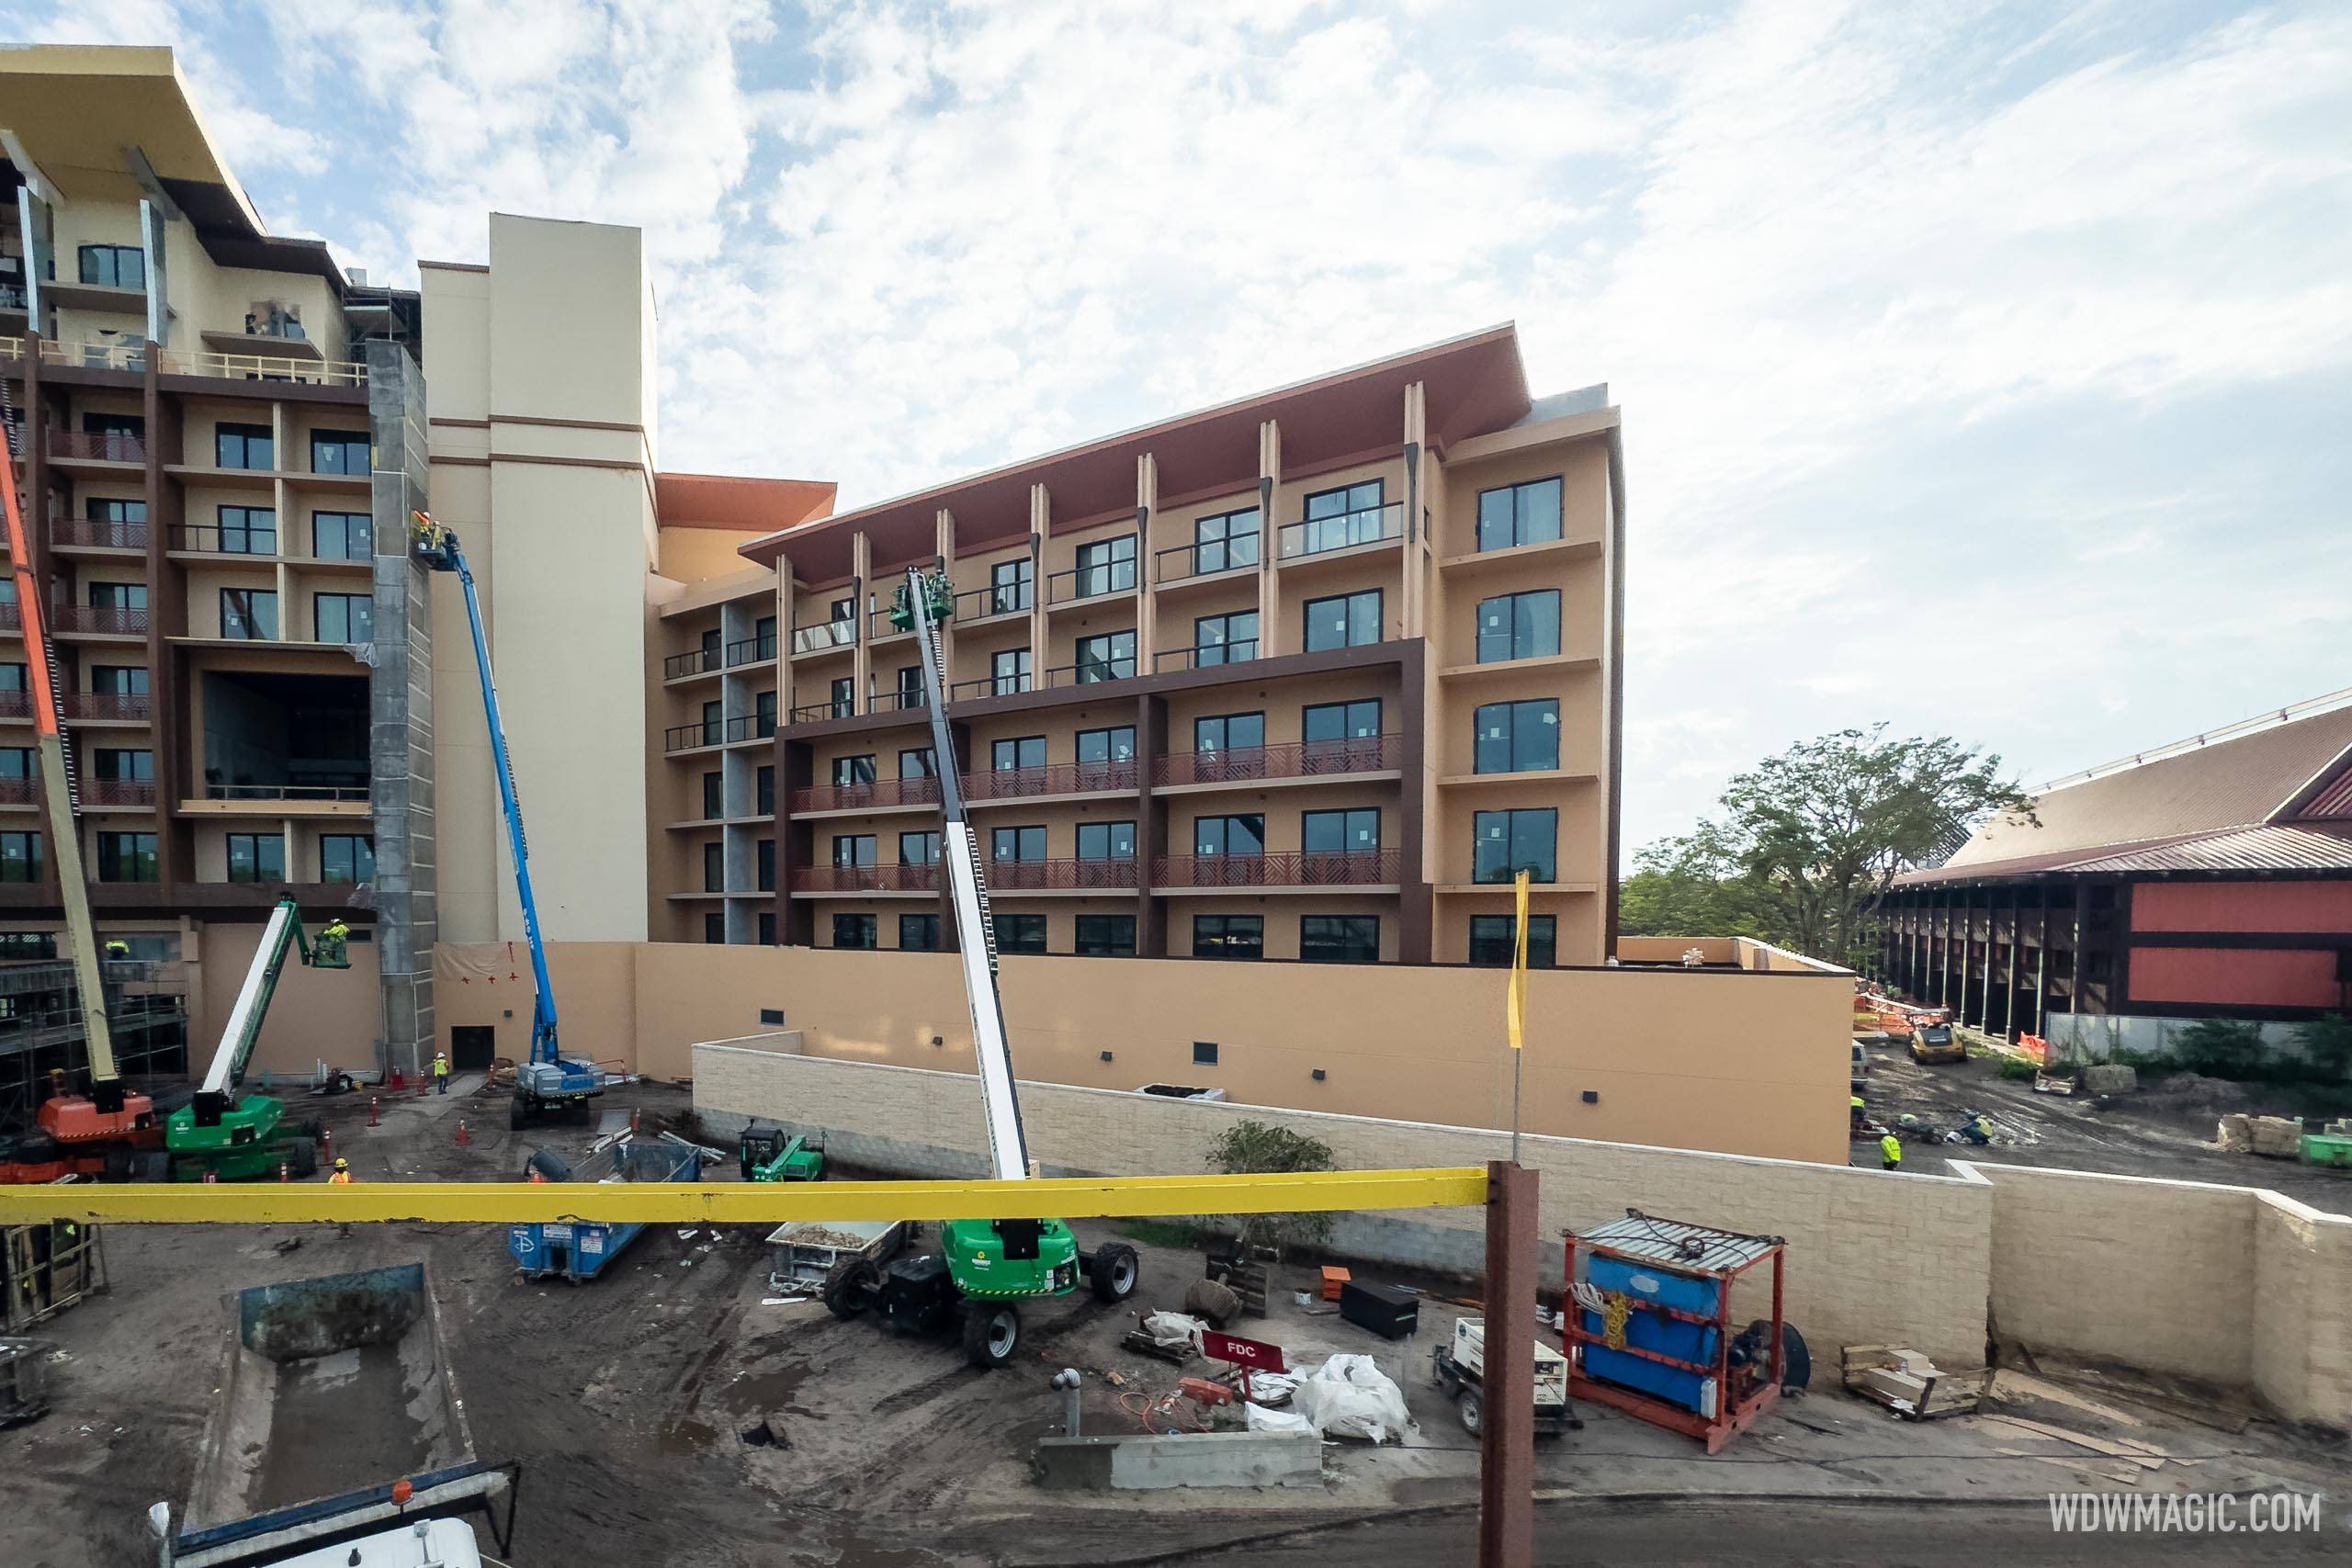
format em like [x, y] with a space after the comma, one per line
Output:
[1149, 1461]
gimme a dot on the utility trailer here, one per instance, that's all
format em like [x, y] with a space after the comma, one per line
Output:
[1459, 1370]
[337, 1436]
[579, 1250]
[803, 1254]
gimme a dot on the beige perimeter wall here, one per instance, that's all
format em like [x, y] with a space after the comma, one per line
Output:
[2236, 1285]
[1748, 1061]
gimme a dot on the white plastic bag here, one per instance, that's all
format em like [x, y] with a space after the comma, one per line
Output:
[1175, 1328]
[1262, 1419]
[1348, 1396]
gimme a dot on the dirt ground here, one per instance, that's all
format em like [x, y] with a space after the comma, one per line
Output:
[2164, 1129]
[626, 1401]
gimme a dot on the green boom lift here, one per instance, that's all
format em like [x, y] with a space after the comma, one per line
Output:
[768, 1155]
[983, 1268]
[239, 1137]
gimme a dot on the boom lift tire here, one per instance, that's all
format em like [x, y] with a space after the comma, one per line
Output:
[991, 1333]
[1112, 1271]
[302, 1158]
[851, 1287]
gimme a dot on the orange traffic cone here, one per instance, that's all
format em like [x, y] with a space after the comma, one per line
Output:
[462, 1137]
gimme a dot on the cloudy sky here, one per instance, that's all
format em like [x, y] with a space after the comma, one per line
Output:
[1987, 368]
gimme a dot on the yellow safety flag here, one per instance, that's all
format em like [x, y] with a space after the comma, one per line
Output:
[1515, 1003]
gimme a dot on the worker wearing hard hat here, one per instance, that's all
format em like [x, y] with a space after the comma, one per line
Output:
[342, 1178]
[118, 948]
[440, 1072]
[333, 937]
[1890, 1150]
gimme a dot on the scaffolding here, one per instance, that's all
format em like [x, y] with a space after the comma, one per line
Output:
[41, 1026]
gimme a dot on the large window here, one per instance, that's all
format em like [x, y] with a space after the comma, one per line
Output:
[1017, 843]
[116, 679]
[763, 791]
[1106, 840]
[763, 715]
[1117, 744]
[19, 857]
[346, 856]
[764, 644]
[1106, 566]
[1108, 657]
[1507, 843]
[1009, 584]
[247, 530]
[1008, 672]
[126, 857]
[1492, 938]
[114, 266]
[122, 765]
[339, 452]
[1518, 515]
[1106, 936]
[1017, 752]
[852, 848]
[17, 763]
[841, 697]
[714, 796]
[1518, 625]
[1021, 934]
[1338, 938]
[919, 933]
[1228, 936]
[250, 613]
[1349, 620]
[1229, 732]
[1236, 834]
[918, 762]
[1348, 515]
[1352, 831]
[27, 944]
[714, 867]
[1225, 639]
[767, 928]
[113, 595]
[854, 931]
[1516, 738]
[765, 861]
[1340, 737]
[849, 771]
[714, 930]
[113, 509]
[343, 536]
[342, 617]
[242, 446]
[1226, 539]
[256, 857]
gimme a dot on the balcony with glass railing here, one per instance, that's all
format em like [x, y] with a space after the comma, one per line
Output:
[1077, 583]
[1341, 531]
[996, 599]
[824, 637]
[1210, 558]
[1205, 656]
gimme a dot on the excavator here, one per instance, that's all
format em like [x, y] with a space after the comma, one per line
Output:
[983, 1269]
[100, 1130]
[547, 1082]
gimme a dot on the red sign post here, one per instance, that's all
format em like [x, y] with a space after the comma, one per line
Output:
[1250, 1355]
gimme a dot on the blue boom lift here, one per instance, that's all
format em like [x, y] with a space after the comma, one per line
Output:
[549, 1080]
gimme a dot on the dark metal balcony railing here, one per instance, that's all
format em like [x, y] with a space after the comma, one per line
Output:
[988, 686]
[700, 661]
[17, 704]
[117, 792]
[1206, 655]
[100, 535]
[899, 699]
[102, 619]
[1090, 671]
[718, 732]
[1296, 760]
[16, 792]
[1077, 583]
[108, 705]
[10, 618]
[902, 878]
[344, 792]
[823, 635]
[1181, 561]
[1342, 531]
[210, 538]
[1056, 875]
[1290, 868]
[866, 797]
[101, 446]
[812, 713]
[1006, 599]
[1053, 778]
[751, 650]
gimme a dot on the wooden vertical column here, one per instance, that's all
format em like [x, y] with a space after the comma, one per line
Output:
[779, 758]
[1270, 498]
[943, 545]
[1151, 827]
[1041, 518]
[1507, 1435]
[1414, 609]
[1146, 599]
[861, 675]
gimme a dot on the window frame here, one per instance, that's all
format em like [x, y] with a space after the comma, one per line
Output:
[1225, 931]
[848, 919]
[1519, 630]
[343, 441]
[256, 873]
[928, 923]
[1022, 841]
[1543, 940]
[248, 438]
[1519, 534]
[364, 523]
[1214, 532]
[1108, 664]
[1226, 641]
[1109, 835]
[118, 848]
[1226, 821]
[1539, 875]
[1349, 620]
[86, 257]
[1117, 946]
[251, 524]
[1085, 563]
[257, 600]
[20, 855]
[1320, 938]
[1007, 940]
[863, 849]
[1020, 753]
[320, 598]
[1518, 757]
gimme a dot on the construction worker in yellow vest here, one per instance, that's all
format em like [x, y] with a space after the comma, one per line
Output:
[333, 937]
[440, 1072]
[342, 1178]
[118, 948]
[1890, 1150]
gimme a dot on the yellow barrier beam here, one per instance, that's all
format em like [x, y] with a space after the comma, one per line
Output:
[737, 1202]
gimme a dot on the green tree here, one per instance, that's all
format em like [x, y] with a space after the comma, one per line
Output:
[1676, 892]
[1808, 841]
[2328, 1041]
[1260, 1149]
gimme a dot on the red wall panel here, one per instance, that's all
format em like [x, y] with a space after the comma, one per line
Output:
[2238, 977]
[2242, 907]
